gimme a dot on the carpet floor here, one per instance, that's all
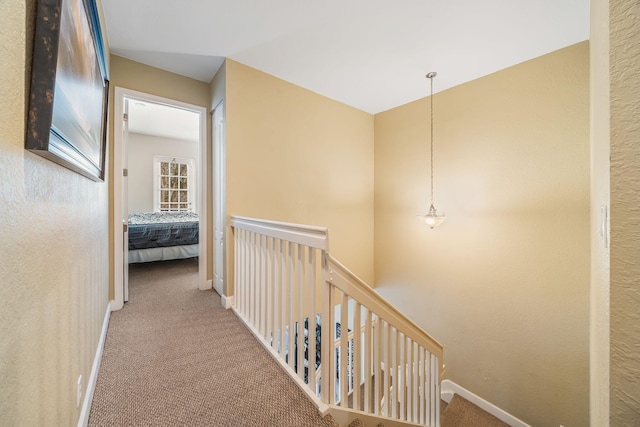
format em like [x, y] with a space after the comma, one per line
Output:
[462, 413]
[174, 356]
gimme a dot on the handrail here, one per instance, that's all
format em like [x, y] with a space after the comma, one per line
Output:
[315, 237]
[342, 278]
[372, 357]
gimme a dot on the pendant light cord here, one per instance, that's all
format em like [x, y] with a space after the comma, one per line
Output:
[431, 98]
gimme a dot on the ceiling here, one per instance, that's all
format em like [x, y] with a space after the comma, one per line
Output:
[369, 54]
[155, 119]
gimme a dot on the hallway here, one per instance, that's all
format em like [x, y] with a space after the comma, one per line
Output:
[174, 357]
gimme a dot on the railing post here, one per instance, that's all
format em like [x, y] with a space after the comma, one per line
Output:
[327, 388]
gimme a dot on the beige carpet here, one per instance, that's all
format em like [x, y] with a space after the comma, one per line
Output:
[462, 413]
[174, 357]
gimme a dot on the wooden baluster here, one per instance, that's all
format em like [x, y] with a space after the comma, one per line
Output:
[402, 377]
[377, 363]
[300, 285]
[282, 249]
[311, 274]
[427, 386]
[368, 349]
[416, 384]
[327, 387]
[276, 294]
[252, 281]
[261, 306]
[423, 388]
[246, 275]
[344, 351]
[387, 370]
[236, 270]
[357, 354]
[409, 373]
[433, 388]
[393, 402]
[269, 290]
[292, 299]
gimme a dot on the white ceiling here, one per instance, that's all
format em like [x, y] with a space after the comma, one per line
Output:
[370, 54]
[161, 120]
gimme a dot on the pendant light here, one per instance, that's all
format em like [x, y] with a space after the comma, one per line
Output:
[432, 218]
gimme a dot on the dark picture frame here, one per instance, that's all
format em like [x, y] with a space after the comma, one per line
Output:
[68, 99]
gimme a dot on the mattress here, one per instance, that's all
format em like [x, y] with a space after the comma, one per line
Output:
[162, 229]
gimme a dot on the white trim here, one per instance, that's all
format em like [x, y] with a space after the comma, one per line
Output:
[227, 302]
[218, 186]
[449, 388]
[95, 368]
[209, 285]
[202, 184]
[191, 182]
[315, 237]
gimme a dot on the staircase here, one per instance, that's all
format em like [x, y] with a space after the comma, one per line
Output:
[353, 353]
[459, 412]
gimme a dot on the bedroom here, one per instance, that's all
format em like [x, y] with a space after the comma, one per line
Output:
[163, 155]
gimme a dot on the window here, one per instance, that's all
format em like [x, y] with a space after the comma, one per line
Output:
[173, 184]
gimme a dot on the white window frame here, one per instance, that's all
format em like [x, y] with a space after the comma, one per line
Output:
[157, 159]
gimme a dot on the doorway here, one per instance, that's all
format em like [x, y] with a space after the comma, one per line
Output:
[182, 198]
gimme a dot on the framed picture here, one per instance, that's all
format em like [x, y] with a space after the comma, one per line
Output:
[67, 116]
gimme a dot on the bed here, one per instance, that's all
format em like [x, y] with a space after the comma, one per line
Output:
[161, 236]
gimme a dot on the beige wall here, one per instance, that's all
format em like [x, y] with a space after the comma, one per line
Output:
[53, 257]
[295, 156]
[504, 282]
[624, 33]
[143, 78]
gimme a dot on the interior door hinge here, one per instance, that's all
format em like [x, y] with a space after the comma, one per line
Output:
[125, 172]
[125, 228]
[125, 117]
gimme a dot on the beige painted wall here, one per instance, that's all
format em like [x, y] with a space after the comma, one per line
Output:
[504, 282]
[600, 257]
[295, 156]
[53, 258]
[143, 78]
[624, 32]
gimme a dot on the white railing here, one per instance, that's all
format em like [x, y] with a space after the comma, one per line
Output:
[288, 290]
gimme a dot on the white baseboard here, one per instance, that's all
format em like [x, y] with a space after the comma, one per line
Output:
[93, 377]
[226, 301]
[208, 284]
[449, 388]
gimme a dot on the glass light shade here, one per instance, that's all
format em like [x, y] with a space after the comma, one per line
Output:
[432, 218]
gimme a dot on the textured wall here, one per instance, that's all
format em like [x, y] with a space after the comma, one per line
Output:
[503, 283]
[53, 257]
[624, 22]
[295, 156]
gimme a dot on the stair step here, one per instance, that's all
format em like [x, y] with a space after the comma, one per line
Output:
[358, 423]
[461, 412]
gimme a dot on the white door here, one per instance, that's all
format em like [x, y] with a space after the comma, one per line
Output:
[125, 200]
[218, 199]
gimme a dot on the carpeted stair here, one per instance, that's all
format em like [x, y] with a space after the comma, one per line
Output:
[457, 413]
[461, 412]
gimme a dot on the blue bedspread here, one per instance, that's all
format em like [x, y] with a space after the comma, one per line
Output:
[162, 229]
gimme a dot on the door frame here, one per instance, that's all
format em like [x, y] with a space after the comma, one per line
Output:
[202, 182]
[219, 185]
